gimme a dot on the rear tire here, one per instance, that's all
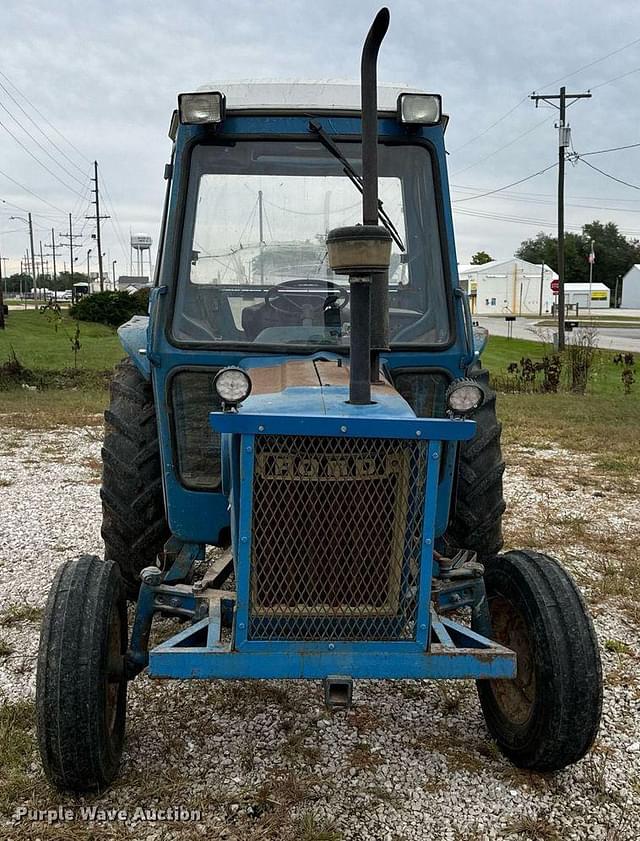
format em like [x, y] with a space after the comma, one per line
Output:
[476, 520]
[548, 716]
[81, 688]
[134, 525]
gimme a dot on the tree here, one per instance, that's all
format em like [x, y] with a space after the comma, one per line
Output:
[480, 258]
[17, 283]
[615, 254]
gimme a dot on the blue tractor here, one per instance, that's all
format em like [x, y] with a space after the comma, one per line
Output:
[307, 396]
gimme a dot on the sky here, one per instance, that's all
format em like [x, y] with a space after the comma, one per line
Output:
[104, 75]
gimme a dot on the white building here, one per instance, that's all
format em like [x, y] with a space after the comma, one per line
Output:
[631, 288]
[512, 286]
[578, 294]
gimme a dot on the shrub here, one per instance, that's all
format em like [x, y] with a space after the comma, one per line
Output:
[580, 353]
[111, 308]
[627, 361]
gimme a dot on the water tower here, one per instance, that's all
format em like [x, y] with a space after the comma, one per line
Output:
[141, 244]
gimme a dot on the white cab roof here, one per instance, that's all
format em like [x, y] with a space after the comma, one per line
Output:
[301, 96]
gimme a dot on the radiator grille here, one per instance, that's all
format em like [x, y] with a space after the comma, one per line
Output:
[336, 538]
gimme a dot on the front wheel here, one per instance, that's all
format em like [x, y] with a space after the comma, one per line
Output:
[548, 716]
[81, 687]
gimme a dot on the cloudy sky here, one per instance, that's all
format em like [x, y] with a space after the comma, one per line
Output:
[105, 74]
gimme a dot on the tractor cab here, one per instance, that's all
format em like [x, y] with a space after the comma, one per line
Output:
[265, 186]
[302, 455]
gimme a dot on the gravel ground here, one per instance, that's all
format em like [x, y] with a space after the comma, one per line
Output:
[410, 760]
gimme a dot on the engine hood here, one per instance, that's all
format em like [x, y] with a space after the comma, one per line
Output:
[317, 385]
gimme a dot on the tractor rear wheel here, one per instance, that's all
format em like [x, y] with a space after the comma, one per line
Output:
[134, 525]
[478, 506]
[547, 717]
[81, 687]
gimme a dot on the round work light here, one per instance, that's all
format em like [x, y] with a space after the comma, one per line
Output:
[232, 385]
[464, 396]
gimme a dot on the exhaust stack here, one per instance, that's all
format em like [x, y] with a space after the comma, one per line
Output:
[363, 251]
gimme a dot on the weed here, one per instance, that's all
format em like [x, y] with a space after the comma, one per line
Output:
[627, 376]
[308, 828]
[248, 757]
[450, 697]
[410, 690]
[5, 648]
[617, 647]
[536, 827]
[594, 769]
[364, 718]
[20, 613]
[581, 353]
[362, 757]
[5, 483]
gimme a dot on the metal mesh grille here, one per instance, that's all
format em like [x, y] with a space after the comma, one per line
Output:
[336, 538]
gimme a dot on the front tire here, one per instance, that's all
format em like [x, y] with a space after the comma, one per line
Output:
[134, 524]
[476, 519]
[548, 716]
[81, 687]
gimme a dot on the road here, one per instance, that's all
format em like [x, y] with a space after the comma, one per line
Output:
[609, 338]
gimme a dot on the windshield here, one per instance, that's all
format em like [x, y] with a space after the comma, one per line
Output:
[253, 266]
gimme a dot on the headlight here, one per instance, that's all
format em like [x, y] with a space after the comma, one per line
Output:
[232, 385]
[201, 108]
[423, 109]
[464, 397]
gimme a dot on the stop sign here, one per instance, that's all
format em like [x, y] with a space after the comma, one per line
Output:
[555, 284]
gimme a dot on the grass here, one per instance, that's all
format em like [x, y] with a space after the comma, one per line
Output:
[50, 409]
[39, 346]
[17, 746]
[603, 425]
[605, 379]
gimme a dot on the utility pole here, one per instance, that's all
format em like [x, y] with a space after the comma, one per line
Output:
[42, 268]
[592, 259]
[55, 273]
[33, 262]
[71, 236]
[260, 223]
[1, 298]
[564, 139]
[97, 218]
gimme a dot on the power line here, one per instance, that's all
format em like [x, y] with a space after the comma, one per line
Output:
[615, 78]
[608, 175]
[513, 184]
[40, 114]
[46, 136]
[493, 125]
[591, 64]
[37, 160]
[555, 81]
[614, 149]
[26, 189]
[506, 145]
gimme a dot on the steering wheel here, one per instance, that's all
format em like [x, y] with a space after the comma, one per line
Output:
[311, 294]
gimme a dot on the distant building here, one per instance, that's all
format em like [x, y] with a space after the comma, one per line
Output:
[512, 286]
[577, 294]
[631, 288]
[131, 283]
